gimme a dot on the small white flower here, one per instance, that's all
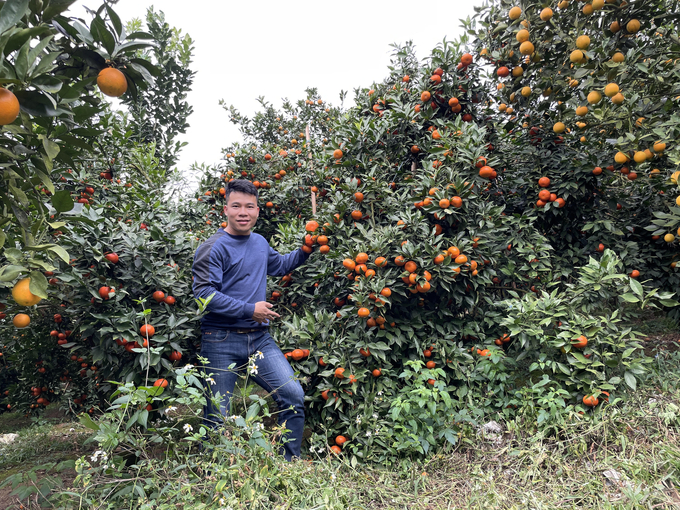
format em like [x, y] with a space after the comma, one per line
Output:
[71, 429]
[253, 369]
[234, 417]
[358, 419]
[259, 354]
[188, 367]
[375, 416]
[368, 433]
[211, 381]
[187, 428]
[222, 502]
[380, 393]
[170, 409]
[333, 476]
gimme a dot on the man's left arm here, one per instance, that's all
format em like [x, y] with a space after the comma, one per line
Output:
[279, 265]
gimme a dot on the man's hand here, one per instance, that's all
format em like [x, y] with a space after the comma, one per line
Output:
[263, 312]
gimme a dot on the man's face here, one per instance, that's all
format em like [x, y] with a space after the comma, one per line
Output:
[242, 212]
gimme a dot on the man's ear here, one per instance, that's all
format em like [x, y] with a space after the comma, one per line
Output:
[224, 210]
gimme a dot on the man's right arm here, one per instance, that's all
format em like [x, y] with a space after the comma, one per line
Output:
[207, 271]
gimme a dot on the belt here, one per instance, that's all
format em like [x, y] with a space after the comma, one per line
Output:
[244, 331]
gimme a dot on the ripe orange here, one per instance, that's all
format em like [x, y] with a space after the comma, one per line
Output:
[21, 320]
[337, 153]
[457, 202]
[380, 262]
[339, 373]
[363, 312]
[376, 372]
[411, 266]
[444, 203]
[336, 449]
[312, 226]
[361, 258]
[425, 96]
[461, 259]
[580, 342]
[9, 106]
[22, 295]
[611, 90]
[163, 383]
[358, 197]
[297, 354]
[400, 260]
[590, 400]
[544, 182]
[453, 251]
[112, 82]
[357, 214]
[147, 330]
[439, 259]
[340, 440]
[387, 292]
[349, 264]
[159, 296]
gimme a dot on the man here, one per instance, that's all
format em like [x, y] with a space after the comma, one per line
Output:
[233, 265]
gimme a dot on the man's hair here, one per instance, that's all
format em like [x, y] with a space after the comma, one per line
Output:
[242, 186]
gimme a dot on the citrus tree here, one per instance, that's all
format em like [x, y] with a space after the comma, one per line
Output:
[405, 324]
[48, 105]
[585, 102]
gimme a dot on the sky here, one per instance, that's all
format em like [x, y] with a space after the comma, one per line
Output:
[275, 49]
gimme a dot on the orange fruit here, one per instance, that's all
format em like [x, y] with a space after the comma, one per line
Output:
[400, 260]
[339, 373]
[163, 383]
[112, 82]
[590, 400]
[349, 264]
[9, 106]
[22, 295]
[461, 259]
[380, 262]
[444, 203]
[411, 266]
[363, 312]
[312, 226]
[337, 154]
[580, 342]
[340, 440]
[21, 320]
[362, 258]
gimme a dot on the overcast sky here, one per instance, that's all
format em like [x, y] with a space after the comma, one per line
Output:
[276, 49]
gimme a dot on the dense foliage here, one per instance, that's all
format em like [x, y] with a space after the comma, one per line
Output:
[440, 291]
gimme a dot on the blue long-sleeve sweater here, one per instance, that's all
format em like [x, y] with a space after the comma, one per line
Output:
[235, 268]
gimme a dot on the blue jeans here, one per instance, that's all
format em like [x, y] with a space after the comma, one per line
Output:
[222, 348]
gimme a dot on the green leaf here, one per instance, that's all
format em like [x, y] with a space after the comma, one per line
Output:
[630, 380]
[55, 8]
[87, 421]
[636, 287]
[3, 238]
[62, 201]
[12, 11]
[10, 272]
[101, 33]
[38, 285]
[60, 252]
[51, 149]
[629, 297]
[115, 20]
